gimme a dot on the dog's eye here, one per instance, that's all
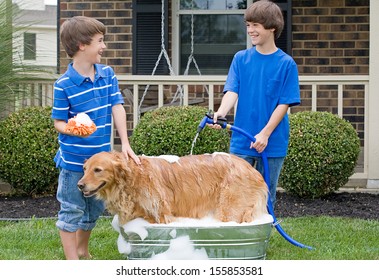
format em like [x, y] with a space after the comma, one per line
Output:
[97, 170]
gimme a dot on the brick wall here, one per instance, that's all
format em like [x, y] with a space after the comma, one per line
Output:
[331, 36]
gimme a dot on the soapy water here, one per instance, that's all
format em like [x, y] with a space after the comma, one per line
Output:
[181, 248]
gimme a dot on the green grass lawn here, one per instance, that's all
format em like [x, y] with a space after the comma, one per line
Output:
[332, 238]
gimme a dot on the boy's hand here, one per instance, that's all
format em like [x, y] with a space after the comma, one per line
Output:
[260, 143]
[127, 151]
[80, 125]
[215, 125]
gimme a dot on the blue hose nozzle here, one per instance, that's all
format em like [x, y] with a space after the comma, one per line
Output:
[209, 119]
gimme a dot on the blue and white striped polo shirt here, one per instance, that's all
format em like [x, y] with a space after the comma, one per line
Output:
[75, 94]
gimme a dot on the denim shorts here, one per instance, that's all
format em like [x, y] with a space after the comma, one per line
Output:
[274, 165]
[77, 211]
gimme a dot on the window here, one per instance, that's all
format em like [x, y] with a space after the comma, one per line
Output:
[29, 46]
[219, 31]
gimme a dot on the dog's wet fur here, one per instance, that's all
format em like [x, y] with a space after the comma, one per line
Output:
[219, 184]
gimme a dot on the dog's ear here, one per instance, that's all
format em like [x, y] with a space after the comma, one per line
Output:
[121, 167]
[118, 156]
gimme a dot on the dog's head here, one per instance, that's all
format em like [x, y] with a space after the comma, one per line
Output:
[100, 173]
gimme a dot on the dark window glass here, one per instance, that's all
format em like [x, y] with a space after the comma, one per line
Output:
[216, 39]
[29, 46]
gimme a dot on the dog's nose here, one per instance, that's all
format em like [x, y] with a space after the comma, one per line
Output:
[81, 186]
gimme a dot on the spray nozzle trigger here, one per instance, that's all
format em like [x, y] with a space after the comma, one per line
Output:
[209, 119]
[221, 121]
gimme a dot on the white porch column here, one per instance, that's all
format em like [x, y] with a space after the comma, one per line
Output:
[373, 99]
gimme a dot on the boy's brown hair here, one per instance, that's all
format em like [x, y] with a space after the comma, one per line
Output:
[266, 13]
[79, 30]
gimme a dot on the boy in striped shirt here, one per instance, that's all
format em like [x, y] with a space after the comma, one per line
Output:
[92, 88]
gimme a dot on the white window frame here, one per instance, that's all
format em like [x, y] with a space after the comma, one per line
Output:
[175, 15]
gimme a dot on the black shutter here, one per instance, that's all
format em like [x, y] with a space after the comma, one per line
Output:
[284, 42]
[147, 17]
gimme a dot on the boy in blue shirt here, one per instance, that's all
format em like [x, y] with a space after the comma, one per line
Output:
[265, 82]
[92, 88]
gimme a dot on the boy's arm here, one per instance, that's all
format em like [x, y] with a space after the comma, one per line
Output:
[261, 139]
[119, 117]
[60, 126]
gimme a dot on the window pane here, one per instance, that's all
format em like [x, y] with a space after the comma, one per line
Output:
[29, 46]
[216, 39]
[212, 4]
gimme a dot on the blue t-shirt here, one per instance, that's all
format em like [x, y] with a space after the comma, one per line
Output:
[75, 94]
[262, 82]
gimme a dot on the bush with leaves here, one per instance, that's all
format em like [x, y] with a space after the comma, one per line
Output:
[28, 143]
[171, 131]
[322, 154]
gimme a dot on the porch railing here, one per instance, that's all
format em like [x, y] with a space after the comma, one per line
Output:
[335, 85]
[315, 86]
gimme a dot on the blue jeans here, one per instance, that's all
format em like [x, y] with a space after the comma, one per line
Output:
[77, 211]
[274, 166]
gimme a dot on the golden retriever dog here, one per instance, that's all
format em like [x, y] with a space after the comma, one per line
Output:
[167, 187]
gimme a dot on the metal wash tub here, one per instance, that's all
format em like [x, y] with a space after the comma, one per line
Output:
[222, 241]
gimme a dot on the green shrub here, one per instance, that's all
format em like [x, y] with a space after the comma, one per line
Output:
[28, 143]
[322, 154]
[171, 131]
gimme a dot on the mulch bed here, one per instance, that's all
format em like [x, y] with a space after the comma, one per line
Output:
[344, 204]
